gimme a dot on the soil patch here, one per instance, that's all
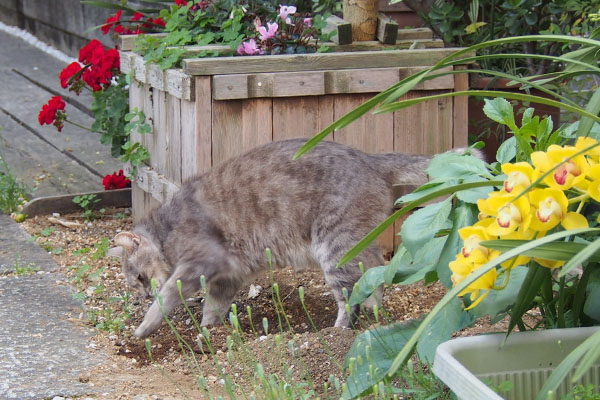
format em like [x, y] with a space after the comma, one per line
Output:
[297, 341]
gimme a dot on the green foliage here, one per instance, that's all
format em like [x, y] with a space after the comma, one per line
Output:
[13, 193]
[581, 392]
[88, 202]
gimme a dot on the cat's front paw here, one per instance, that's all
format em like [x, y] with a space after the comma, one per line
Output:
[152, 321]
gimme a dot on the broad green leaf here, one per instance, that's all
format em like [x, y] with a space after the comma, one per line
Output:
[507, 150]
[440, 329]
[591, 308]
[501, 111]
[422, 225]
[407, 350]
[558, 251]
[566, 366]
[373, 352]
[452, 165]
[461, 216]
[473, 195]
[498, 301]
[367, 284]
[593, 107]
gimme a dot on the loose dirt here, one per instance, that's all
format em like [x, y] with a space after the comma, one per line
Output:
[169, 371]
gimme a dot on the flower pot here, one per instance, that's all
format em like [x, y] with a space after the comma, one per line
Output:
[526, 359]
[481, 126]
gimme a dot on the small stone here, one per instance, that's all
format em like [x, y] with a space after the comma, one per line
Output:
[84, 377]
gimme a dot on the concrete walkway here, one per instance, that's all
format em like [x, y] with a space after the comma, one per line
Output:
[42, 353]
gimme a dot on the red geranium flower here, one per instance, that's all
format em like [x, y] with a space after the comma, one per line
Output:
[110, 21]
[91, 53]
[137, 16]
[67, 73]
[53, 113]
[116, 181]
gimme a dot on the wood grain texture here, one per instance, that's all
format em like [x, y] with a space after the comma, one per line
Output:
[160, 145]
[342, 29]
[460, 112]
[173, 125]
[314, 61]
[300, 117]
[362, 15]
[124, 61]
[196, 155]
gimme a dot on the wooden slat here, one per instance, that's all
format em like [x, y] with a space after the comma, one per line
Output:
[246, 86]
[415, 33]
[387, 29]
[196, 130]
[157, 185]
[290, 121]
[127, 42]
[139, 68]
[136, 100]
[158, 157]
[375, 45]
[148, 109]
[257, 123]
[342, 29]
[124, 62]
[156, 76]
[314, 61]
[360, 80]
[173, 165]
[443, 82]
[460, 110]
[179, 84]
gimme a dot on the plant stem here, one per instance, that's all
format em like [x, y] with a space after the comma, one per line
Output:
[79, 125]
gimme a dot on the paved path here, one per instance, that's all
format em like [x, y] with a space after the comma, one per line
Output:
[42, 353]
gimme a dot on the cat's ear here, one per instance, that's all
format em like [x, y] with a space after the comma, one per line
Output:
[128, 241]
[117, 252]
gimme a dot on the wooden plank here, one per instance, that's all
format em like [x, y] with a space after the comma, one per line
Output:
[342, 29]
[460, 126]
[148, 109]
[179, 84]
[127, 42]
[136, 100]
[139, 68]
[315, 61]
[124, 62]
[443, 132]
[442, 82]
[415, 33]
[226, 128]
[158, 157]
[156, 76]
[387, 29]
[408, 127]
[196, 130]
[173, 125]
[360, 80]
[289, 117]
[268, 85]
[257, 123]
[375, 45]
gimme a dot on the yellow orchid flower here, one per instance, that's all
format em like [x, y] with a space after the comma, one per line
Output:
[569, 173]
[519, 234]
[518, 176]
[594, 186]
[463, 267]
[593, 154]
[473, 235]
[509, 213]
[550, 209]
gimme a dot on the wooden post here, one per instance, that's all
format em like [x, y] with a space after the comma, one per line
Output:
[362, 14]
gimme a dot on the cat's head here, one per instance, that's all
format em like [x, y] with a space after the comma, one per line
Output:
[141, 261]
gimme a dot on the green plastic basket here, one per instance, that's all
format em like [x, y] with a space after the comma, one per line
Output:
[527, 359]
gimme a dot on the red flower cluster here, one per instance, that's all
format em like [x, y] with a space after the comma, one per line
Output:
[53, 113]
[119, 27]
[116, 181]
[99, 68]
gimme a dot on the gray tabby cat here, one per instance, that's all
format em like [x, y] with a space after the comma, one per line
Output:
[308, 212]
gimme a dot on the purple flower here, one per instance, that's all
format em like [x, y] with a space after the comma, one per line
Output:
[249, 48]
[269, 32]
[284, 11]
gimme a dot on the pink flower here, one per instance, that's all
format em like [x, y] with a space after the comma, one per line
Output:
[266, 34]
[308, 22]
[284, 11]
[249, 48]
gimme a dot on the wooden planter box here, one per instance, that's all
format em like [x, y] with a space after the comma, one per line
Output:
[216, 108]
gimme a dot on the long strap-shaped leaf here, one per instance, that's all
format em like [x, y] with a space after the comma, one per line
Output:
[558, 251]
[588, 350]
[364, 242]
[490, 93]
[407, 350]
[589, 252]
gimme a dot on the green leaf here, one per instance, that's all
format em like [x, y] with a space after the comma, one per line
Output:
[591, 308]
[507, 150]
[501, 111]
[558, 251]
[440, 329]
[374, 351]
[473, 195]
[593, 107]
[422, 225]
[452, 165]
